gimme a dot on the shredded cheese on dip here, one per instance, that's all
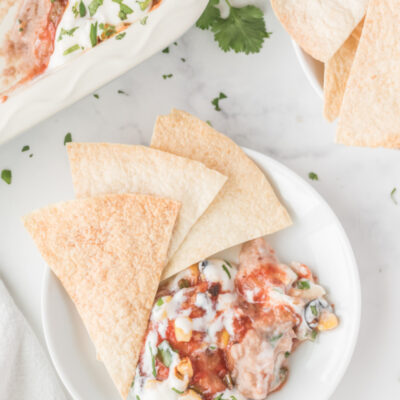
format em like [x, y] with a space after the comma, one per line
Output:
[222, 332]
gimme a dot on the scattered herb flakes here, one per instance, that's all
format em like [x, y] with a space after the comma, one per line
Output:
[176, 43]
[392, 195]
[93, 34]
[212, 347]
[143, 21]
[215, 102]
[314, 334]
[108, 30]
[71, 49]
[243, 31]
[122, 92]
[160, 302]
[314, 310]
[224, 267]
[209, 122]
[275, 338]
[287, 354]
[31, 155]
[25, 148]
[153, 362]
[166, 50]
[313, 176]
[67, 32]
[183, 59]
[120, 36]
[177, 391]
[229, 264]
[67, 138]
[96, 96]
[144, 4]
[124, 10]
[137, 397]
[167, 76]
[165, 356]
[6, 175]
[82, 9]
[94, 6]
[75, 9]
[303, 284]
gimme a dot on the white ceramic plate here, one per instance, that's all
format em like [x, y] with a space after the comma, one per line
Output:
[57, 89]
[316, 238]
[313, 69]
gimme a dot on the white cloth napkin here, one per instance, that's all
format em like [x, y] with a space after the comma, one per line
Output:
[25, 371]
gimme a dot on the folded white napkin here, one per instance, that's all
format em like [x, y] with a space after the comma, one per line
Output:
[25, 371]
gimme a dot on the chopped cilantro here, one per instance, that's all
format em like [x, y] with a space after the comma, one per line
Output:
[143, 21]
[93, 6]
[25, 148]
[224, 267]
[71, 49]
[144, 4]
[392, 195]
[313, 176]
[166, 50]
[215, 102]
[160, 302]
[165, 356]
[96, 96]
[67, 138]
[243, 31]
[303, 284]
[153, 362]
[166, 76]
[67, 32]
[82, 9]
[93, 34]
[6, 175]
[177, 391]
[120, 36]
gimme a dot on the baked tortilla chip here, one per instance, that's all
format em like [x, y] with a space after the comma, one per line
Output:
[101, 168]
[320, 27]
[337, 72]
[370, 113]
[108, 253]
[245, 208]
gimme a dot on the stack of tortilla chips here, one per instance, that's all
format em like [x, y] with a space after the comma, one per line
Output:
[143, 214]
[358, 42]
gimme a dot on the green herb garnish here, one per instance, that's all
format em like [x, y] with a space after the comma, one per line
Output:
[209, 122]
[75, 10]
[67, 138]
[144, 4]
[153, 362]
[166, 50]
[96, 96]
[120, 36]
[275, 338]
[122, 92]
[71, 49]
[314, 311]
[160, 302]
[67, 32]
[93, 34]
[165, 356]
[93, 6]
[137, 397]
[215, 102]
[124, 10]
[303, 284]
[229, 264]
[143, 21]
[243, 31]
[183, 59]
[392, 193]
[183, 283]
[313, 176]
[6, 175]
[25, 148]
[177, 391]
[82, 9]
[313, 334]
[108, 30]
[224, 267]
[166, 76]
[287, 354]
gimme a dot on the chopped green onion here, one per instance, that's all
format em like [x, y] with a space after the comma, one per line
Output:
[303, 284]
[93, 6]
[165, 356]
[67, 32]
[6, 175]
[183, 283]
[120, 36]
[71, 49]
[229, 264]
[25, 148]
[82, 9]
[313, 176]
[143, 21]
[67, 138]
[226, 270]
[96, 96]
[314, 310]
[166, 50]
[144, 4]
[160, 302]
[392, 193]
[275, 338]
[153, 362]
[93, 34]
[177, 391]
[287, 354]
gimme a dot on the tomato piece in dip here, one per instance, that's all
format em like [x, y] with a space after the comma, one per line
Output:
[220, 331]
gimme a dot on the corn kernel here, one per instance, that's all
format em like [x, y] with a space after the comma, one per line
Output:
[327, 321]
[184, 368]
[224, 339]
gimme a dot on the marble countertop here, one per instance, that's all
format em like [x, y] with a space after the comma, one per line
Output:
[270, 107]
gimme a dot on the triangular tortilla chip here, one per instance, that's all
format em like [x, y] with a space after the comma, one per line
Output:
[245, 208]
[337, 72]
[101, 168]
[320, 27]
[108, 253]
[370, 113]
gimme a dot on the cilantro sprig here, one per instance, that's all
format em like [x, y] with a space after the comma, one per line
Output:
[243, 31]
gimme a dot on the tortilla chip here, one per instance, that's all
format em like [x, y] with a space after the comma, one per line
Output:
[370, 114]
[337, 72]
[245, 208]
[101, 168]
[320, 27]
[108, 253]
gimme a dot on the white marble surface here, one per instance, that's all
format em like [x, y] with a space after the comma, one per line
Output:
[270, 108]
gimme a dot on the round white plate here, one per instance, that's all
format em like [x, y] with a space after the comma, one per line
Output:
[316, 239]
[313, 69]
